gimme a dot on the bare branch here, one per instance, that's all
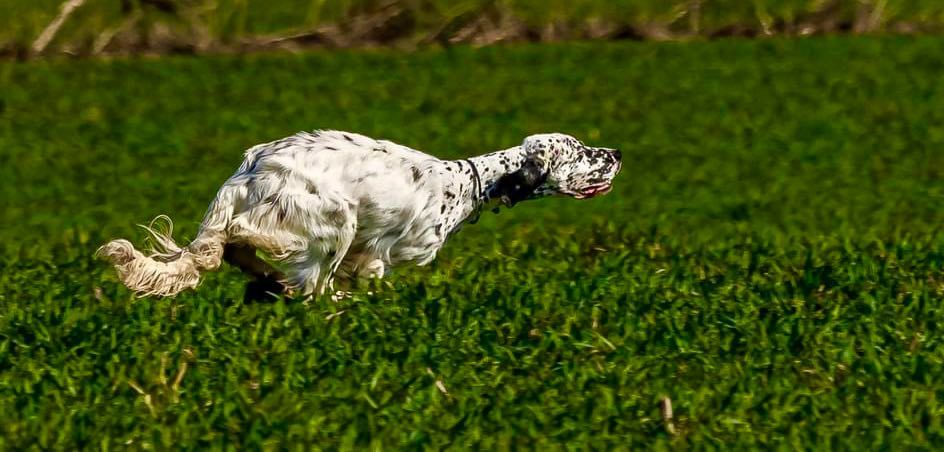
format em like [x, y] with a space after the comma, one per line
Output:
[65, 10]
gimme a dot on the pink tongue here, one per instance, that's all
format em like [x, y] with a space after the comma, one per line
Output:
[596, 191]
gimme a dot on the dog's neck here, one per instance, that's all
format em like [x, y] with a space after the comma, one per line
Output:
[472, 182]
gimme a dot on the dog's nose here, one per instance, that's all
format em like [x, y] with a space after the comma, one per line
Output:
[618, 155]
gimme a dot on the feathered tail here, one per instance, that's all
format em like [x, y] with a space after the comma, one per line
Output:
[170, 269]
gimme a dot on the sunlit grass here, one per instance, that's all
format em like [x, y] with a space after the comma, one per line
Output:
[770, 259]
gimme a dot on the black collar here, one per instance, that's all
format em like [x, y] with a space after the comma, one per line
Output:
[477, 202]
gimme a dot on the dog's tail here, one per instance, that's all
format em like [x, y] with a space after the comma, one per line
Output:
[170, 269]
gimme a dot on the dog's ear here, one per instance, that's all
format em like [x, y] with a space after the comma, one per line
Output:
[520, 185]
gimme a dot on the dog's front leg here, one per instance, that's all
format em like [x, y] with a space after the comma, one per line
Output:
[329, 225]
[353, 268]
[373, 269]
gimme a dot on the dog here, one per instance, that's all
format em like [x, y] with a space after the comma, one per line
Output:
[329, 205]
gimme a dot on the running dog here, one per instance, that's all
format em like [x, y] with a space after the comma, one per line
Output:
[330, 205]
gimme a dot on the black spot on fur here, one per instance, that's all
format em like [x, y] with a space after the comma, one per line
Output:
[416, 174]
[519, 185]
[348, 138]
[366, 176]
[331, 148]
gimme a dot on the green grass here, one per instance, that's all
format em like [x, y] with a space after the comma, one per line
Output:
[770, 259]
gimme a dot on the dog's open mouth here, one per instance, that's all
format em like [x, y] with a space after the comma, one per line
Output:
[594, 190]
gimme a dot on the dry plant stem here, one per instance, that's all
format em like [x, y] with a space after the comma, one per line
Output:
[666, 405]
[878, 10]
[107, 36]
[66, 10]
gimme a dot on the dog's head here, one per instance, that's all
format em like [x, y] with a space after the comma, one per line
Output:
[558, 164]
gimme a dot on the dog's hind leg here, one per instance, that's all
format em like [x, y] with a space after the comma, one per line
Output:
[266, 284]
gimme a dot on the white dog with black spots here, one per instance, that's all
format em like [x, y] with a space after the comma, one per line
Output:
[329, 205]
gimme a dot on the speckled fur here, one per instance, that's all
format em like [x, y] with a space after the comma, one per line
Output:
[330, 204]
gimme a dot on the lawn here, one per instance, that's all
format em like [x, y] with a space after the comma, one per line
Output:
[770, 258]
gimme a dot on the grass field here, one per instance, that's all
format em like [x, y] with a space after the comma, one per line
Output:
[770, 258]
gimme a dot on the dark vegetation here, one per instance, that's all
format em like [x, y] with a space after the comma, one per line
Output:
[93, 27]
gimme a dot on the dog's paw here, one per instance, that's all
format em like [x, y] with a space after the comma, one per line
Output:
[341, 295]
[374, 269]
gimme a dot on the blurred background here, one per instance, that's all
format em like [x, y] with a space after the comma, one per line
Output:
[91, 27]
